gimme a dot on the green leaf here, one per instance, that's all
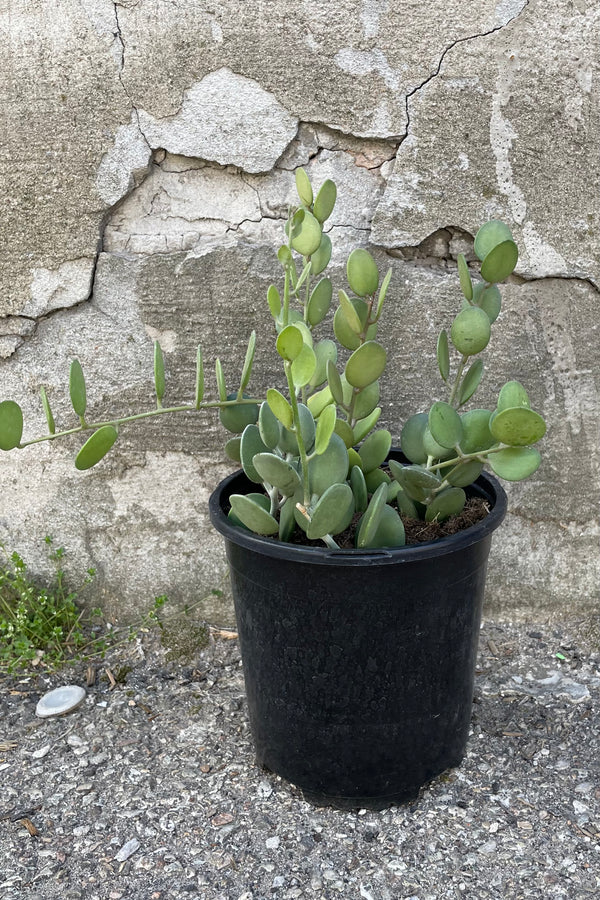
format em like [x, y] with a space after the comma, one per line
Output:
[382, 292]
[500, 262]
[251, 444]
[476, 431]
[489, 236]
[365, 400]
[303, 276]
[335, 383]
[415, 480]
[350, 314]
[389, 531]
[220, 380]
[364, 426]
[320, 258]
[488, 297]
[268, 426]
[515, 463]
[330, 514]
[232, 449]
[288, 441]
[280, 407]
[326, 197]
[464, 473]
[342, 428]
[513, 394]
[359, 489]
[319, 401]
[443, 356]
[374, 451]
[372, 517]
[362, 273]
[445, 425]
[471, 331]
[276, 471]
[47, 411]
[319, 301]
[287, 520]
[11, 425]
[345, 335]
[324, 351]
[411, 438]
[433, 449]
[445, 504]
[330, 467]
[284, 254]
[366, 364]
[306, 233]
[303, 367]
[247, 368]
[77, 388]
[274, 300]
[96, 447]
[159, 373]
[466, 285]
[304, 187]
[471, 381]
[235, 417]
[376, 477]
[199, 378]
[290, 343]
[252, 515]
[325, 428]
[518, 426]
[405, 505]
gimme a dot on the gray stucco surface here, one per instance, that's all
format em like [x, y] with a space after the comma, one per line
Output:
[146, 168]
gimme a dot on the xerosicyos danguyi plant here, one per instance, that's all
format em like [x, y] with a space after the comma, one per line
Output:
[315, 455]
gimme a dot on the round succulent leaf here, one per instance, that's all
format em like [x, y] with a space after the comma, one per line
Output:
[362, 273]
[329, 467]
[251, 444]
[489, 236]
[268, 426]
[466, 285]
[232, 449]
[389, 531]
[405, 505]
[464, 473]
[320, 258]
[417, 481]
[515, 463]
[445, 504]
[287, 520]
[294, 318]
[96, 447]
[393, 488]
[359, 489]
[77, 390]
[433, 449]
[335, 383]
[471, 381]
[330, 511]
[383, 292]
[364, 426]
[235, 418]
[326, 424]
[274, 301]
[320, 401]
[365, 399]
[376, 477]
[288, 441]
[471, 331]
[306, 233]
[353, 459]
[344, 334]
[319, 301]
[518, 426]
[11, 425]
[303, 367]
[374, 451]
[371, 517]
[304, 187]
[366, 364]
[276, 471]
[513, 394]
[253, 515]
[280, 407]
[284, 254]
[353, 320]
[324, 351]
[290, 342]
[445, 424]
[500, 262]
[325, 200]
[345, 432]
[443, 355]
[411, 438]
[476, 431]
[488, 297]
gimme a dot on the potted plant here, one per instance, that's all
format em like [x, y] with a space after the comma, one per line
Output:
[358, 647]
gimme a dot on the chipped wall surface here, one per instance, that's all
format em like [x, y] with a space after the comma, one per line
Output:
[147, 164]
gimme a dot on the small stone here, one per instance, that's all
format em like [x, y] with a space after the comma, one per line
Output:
[279, 881]
[60, 701]
[73, 740]
[85, 787]
[41, 752]
[272, 843]
[586, 787]
[264, 790]
[127, 850]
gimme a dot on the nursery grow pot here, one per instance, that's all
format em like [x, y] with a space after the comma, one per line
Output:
[359, 665]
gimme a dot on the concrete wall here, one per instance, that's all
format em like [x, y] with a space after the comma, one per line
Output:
[146, 163]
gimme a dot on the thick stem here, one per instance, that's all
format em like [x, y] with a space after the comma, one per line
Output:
[479, 454]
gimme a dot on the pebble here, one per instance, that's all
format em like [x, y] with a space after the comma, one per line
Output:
[272, 843]
[42, 751]
[73, 740]
[60, 701]
[127, 850]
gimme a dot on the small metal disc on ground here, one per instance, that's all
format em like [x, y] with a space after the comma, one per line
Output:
[60, 701]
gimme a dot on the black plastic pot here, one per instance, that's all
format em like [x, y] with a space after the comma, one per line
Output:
[359, 665]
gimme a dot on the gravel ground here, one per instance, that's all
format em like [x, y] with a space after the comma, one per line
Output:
[149, 790]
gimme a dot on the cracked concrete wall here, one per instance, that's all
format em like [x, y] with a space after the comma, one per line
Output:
[146, 165]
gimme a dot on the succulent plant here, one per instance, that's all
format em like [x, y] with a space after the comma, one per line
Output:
[314, 453]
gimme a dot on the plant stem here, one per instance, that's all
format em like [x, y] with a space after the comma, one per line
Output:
[479, 454]
[456, 384]
[298, 430]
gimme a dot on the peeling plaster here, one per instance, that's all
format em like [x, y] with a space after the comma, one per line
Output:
[124, 164]
[66, 286]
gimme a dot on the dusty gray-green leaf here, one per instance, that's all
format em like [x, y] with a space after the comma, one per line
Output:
[220, 376]
[331, 511]
[362, 273]
[515, 463]
[304, 187]
[247, 368]
[445, 424]
[372, 517]
[489, 236]
[276, 471]
[319, 301]
[330, 467]
[443, 355]
[445, 504]
[290, 342]
[199, 393]
[325, 428]
[471, 331]
[512, 394]
[306, 233]
[374, 451]
[325, 200]
[274, 301]
[411, 438]
[159, 373]
[77, 388]
[47, 411]
[252, 515]
[366, 364]
[500, 262]
[268, 426]
[464, 275]
[320, 258]
[364, 426]
[471, 381]
[518, 426]
[251, 444]
[96, 447]
[11, 425]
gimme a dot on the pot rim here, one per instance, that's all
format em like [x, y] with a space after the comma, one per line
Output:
[486, 486]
